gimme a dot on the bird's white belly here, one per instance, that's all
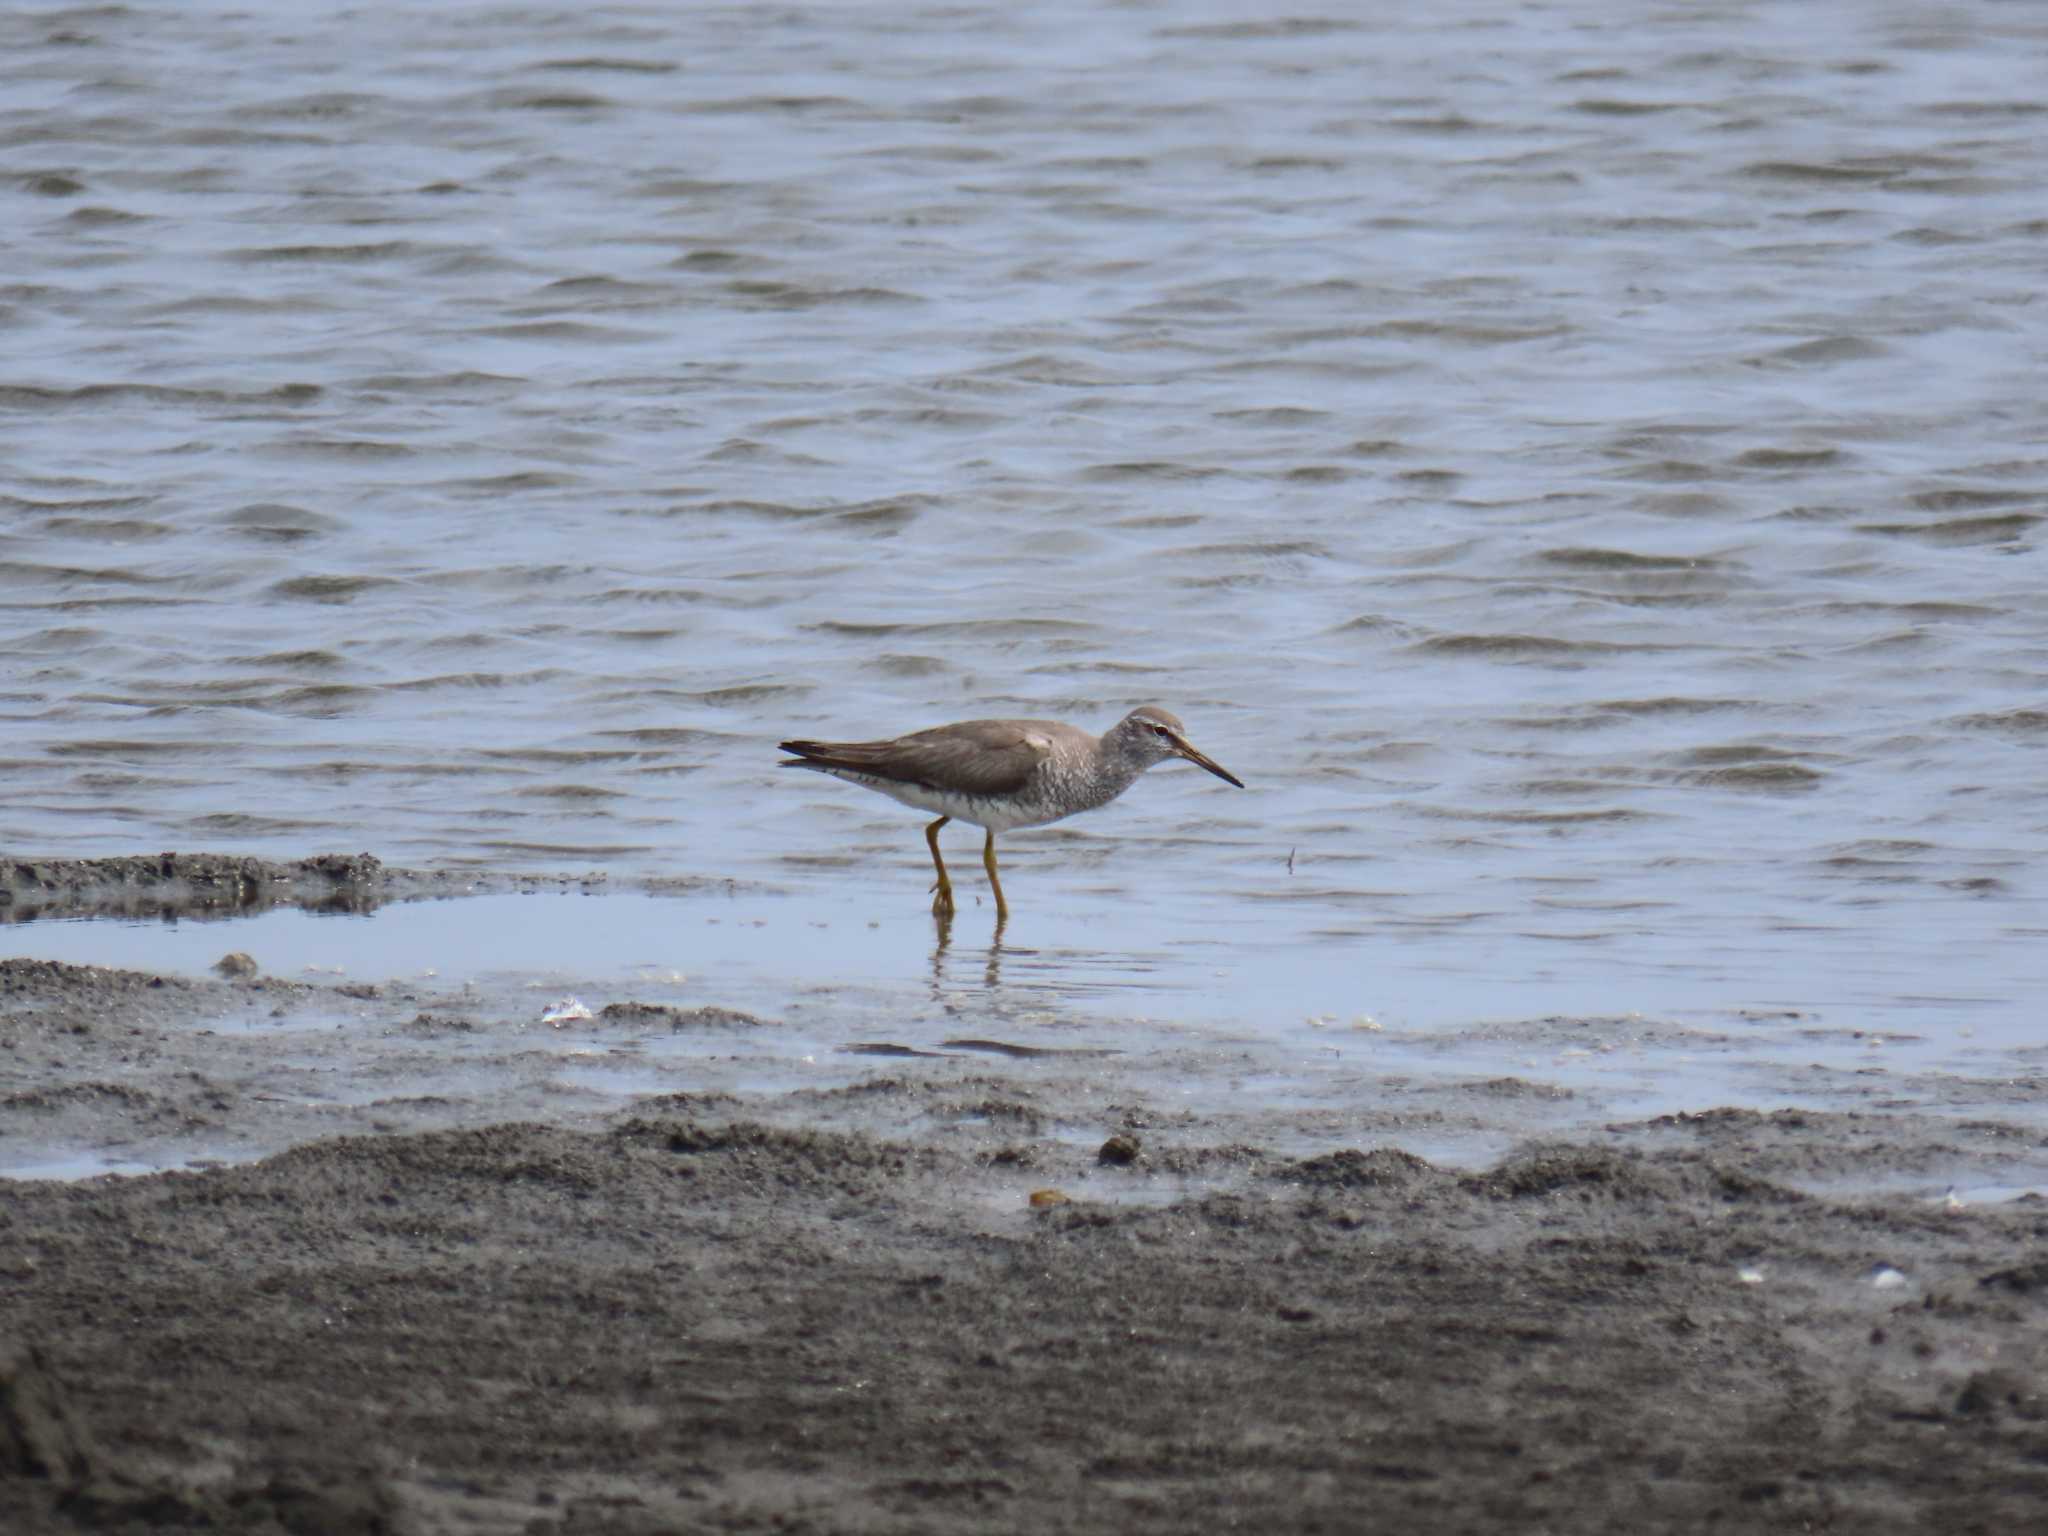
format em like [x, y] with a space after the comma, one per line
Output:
[993, 815]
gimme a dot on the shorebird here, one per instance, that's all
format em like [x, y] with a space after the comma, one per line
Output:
[1002, 774]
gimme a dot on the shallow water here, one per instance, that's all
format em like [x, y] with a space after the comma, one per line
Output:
[1289, 1047]
[768, 952]
[1587, 479]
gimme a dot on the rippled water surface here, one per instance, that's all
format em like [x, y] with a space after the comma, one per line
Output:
[1586, 476]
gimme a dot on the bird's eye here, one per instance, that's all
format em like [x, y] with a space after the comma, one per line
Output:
[1160, 730]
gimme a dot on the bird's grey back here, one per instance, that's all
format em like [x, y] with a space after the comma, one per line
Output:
[972, 757]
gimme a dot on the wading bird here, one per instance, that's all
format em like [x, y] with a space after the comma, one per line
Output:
[1002, 774]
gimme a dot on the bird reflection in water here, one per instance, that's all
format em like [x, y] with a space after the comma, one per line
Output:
[942, 929]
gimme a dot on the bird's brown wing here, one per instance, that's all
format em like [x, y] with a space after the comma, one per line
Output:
[975, 757]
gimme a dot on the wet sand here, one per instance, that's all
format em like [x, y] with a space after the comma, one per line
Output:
[843, 1311]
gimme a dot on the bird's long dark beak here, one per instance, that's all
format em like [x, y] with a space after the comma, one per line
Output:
[1200, 761]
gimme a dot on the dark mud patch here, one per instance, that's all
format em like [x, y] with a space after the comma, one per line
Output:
[663, 1016]
[188, 885]
[687, 1324]
[1812, 1150]
[73, 1481]
[215, 885]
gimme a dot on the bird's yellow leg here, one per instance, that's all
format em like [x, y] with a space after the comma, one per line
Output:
[943, 901]
[988, 862]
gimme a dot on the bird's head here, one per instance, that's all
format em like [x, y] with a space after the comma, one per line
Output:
[1149, 735]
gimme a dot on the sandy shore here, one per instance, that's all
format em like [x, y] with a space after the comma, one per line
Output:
[711, 1314]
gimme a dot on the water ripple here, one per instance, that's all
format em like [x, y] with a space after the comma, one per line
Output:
[1594, 453]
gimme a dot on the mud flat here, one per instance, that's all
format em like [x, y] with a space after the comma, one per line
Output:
[196, 886]
[843, 1309]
